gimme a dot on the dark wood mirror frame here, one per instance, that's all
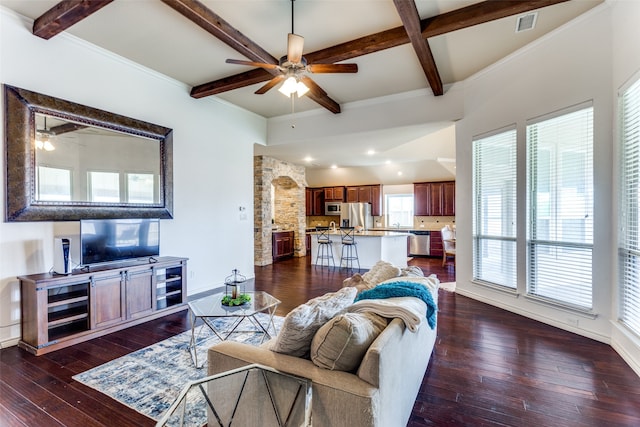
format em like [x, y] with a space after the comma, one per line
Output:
[19, 125]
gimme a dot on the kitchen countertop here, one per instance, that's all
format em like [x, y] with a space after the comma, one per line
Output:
[368, 233]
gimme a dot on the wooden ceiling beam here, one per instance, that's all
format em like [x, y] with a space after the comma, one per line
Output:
[411, 21]
[465, 17]
[65, 14]
[219, 28]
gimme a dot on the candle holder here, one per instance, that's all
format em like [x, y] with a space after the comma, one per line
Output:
[234, 289]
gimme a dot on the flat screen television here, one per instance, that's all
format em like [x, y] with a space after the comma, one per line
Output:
[109, 240]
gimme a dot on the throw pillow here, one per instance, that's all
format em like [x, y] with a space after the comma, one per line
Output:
[302, 323]
[411, 271]
[342, 342]
[355, 281]
[381, 271]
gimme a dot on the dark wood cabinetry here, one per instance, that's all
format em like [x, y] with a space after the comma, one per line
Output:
[58, 311]
[334, 194]
[422, 199]
[308, 202]
[435, 244]
[434, 198]
[449, 198]
[315, 198]
[352, 194]
[376, 200]
[314, 201]
[282, 242]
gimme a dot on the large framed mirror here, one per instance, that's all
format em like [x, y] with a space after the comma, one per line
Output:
[66, 161]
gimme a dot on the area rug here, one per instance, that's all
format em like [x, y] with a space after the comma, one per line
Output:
[448, 286]
[150, 379]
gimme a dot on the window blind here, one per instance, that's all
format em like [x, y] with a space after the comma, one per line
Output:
[494, 209]
[629, 235]
[560, 208]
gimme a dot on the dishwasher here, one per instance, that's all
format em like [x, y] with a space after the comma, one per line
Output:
[419, 243]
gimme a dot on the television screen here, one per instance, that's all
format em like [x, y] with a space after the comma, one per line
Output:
[107, 240]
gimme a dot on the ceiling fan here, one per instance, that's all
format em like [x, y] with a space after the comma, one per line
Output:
[293, 68]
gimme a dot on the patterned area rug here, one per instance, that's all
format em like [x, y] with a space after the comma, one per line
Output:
[448, 286]
[150, 379]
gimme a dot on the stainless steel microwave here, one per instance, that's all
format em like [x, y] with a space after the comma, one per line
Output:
[332, 208]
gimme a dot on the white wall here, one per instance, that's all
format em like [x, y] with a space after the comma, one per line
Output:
[213, 159]
[568, 67]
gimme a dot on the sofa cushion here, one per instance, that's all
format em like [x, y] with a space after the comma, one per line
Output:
[341, 343]
[302, 323]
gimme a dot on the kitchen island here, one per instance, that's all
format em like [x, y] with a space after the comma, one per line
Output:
[373, 246]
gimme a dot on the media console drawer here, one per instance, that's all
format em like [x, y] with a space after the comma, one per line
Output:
[62, 310]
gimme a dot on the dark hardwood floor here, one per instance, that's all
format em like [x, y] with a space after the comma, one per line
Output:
[489, 368]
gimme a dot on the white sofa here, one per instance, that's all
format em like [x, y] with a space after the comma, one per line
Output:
[381, 392]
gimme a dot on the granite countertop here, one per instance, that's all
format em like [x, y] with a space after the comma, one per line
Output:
[368, 233]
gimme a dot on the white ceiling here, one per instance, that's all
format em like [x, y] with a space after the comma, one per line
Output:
[152, 34]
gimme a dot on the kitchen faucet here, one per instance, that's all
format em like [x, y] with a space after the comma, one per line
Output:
[332, 224]
[396, 224]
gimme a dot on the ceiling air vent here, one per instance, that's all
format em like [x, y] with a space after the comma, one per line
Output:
[526, 22]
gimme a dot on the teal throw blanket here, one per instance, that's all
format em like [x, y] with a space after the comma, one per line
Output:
[403, 289]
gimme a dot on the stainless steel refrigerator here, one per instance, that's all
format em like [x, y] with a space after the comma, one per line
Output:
[356, 214]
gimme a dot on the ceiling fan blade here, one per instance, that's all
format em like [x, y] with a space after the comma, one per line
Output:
[333, 68]
[313, 86]
[252, 64]
[295, 44]
[271, 83]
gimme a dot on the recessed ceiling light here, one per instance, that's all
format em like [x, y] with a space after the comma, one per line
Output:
[308, 159]
[399, 173]
[371, 152]
[388, 162]
[334, 166]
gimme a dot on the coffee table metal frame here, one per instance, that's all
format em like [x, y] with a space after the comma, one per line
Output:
[303, 396]
[210, 308]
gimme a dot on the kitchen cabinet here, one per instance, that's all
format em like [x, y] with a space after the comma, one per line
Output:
[62, 310]
[434, 198]
[308, 202]
[376, 200]
[422, 199]
[282, 242]
[334, 194]
[449, 198]
[352, 194]
[364, 194]
[435, 244]
[314, 201]
[318, 201]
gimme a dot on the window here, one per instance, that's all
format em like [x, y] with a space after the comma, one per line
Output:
[399, 209]
[104, 187]
[629, 240]
[54, 184]
[140, 188]
[560, 208]
[494, 209]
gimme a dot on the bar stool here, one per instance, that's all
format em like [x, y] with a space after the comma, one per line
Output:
[349, 248]
[325, 247]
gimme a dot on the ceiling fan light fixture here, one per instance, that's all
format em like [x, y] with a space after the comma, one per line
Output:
[292, 85]
[289, 86]
[301, 89]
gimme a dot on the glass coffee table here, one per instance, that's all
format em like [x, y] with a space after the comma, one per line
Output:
[211, 310]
